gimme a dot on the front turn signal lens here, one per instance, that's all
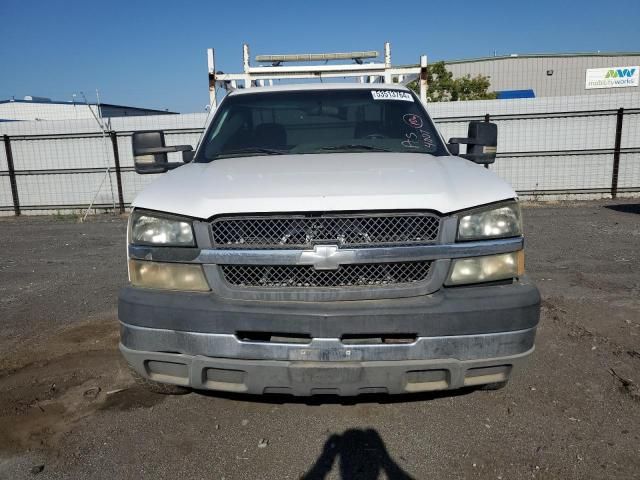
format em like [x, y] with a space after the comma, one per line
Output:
[520, 263]
[167, 276]
[489, 268]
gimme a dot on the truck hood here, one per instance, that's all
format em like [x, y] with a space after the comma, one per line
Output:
[324, 182]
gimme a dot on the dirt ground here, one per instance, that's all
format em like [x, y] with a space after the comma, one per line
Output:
[68, 408]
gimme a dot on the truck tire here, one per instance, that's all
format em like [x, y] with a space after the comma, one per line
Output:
[493, 386]
[157, 387]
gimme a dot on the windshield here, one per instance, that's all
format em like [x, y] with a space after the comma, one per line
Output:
[320, 121]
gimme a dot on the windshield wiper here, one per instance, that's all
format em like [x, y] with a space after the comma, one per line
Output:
[251, 150]
[369, 148]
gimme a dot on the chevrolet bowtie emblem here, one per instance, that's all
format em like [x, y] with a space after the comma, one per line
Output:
[326, 257]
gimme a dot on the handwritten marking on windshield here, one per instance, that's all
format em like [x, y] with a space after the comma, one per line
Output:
[411, 141]
[417, 140]
[413, 120]
[427, 139]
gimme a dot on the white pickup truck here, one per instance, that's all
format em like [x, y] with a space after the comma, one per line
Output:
[324, 239]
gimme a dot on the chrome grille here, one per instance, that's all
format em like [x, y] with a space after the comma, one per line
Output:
[298, 231]
[351, 275]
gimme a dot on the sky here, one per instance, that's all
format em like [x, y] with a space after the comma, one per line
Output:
[153, 53]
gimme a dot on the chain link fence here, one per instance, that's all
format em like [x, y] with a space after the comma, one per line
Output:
[63, 166]
[584, 146]
[559, 147]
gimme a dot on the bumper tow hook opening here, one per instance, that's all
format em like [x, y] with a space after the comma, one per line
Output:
[379, 339]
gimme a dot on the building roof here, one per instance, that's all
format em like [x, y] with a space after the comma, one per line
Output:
[60, 102]
[545, 55]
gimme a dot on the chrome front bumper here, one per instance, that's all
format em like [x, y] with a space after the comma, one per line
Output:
[323, 366]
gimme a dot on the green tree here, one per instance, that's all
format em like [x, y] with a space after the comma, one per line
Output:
[442, 87]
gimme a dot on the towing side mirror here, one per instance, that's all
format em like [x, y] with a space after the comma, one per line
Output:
[150, 152]
[482, 142]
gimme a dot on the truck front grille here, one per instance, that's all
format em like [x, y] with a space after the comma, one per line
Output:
[352, 275]
[303, 231]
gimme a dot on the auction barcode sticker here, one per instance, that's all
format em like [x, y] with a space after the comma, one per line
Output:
[391, 95]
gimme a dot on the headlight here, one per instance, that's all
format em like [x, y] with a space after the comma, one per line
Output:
[492, 222]
[147, 228]
[489, 268]
[168, 276]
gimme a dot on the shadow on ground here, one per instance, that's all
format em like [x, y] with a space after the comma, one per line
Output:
[625, 207]
[361, 454]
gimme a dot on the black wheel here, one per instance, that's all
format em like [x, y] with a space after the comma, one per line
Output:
[493, 386]
[157, 387]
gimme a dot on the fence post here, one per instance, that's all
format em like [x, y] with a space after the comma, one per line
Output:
[487, 118]
[12, 175]
[116, 157]
[616, 153]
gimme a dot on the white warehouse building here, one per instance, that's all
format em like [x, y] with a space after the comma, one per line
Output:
[40, 108]
[555, 74]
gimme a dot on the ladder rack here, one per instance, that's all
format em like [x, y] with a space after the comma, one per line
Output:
[252, 77]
